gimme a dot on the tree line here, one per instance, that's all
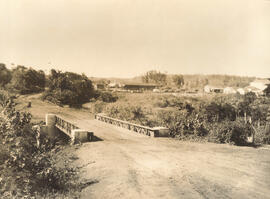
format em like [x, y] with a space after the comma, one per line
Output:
[61, 88]
[196, 81]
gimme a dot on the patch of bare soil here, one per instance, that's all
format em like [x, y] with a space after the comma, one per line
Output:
[133, 166]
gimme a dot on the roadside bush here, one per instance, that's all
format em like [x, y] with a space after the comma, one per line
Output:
[162, 102]
[127, 112]
[182, 123]
[218, 112]
[229, 132]
[4, 97]
[98, 107]
[27, 160]
[262, 135]
[106, 96]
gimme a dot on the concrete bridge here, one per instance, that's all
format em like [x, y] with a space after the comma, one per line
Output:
[54, 123]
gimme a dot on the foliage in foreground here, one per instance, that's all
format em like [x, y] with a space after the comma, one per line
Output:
[28, 160]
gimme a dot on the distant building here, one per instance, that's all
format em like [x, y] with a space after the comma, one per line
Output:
[229, 90]
[207, 89]
[140, 86]
[155, 90]
[113, 85]
[241, 91]
[99, 86]
[255, 90]
[260, 84]
[213, 89]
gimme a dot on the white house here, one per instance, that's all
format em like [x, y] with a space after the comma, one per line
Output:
[229, 90]
[260, 84]
[207, 89]
[255, 90]
[241, 91]
[112, 85]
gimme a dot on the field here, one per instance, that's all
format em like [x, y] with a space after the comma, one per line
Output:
[126, 165]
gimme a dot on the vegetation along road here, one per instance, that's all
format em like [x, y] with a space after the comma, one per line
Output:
[127, 165]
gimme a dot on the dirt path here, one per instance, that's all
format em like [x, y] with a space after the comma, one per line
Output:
[127, 165]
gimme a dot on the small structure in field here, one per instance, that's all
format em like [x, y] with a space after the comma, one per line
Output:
[99, 86]
[140, 87]
[113, 85]
[156, 90]
[213, 89]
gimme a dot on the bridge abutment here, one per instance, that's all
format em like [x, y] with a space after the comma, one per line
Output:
[79, 135]
[50, 128]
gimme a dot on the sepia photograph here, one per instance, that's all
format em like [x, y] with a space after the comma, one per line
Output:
[135, 99]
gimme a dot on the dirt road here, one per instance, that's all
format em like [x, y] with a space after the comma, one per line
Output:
[127, 165]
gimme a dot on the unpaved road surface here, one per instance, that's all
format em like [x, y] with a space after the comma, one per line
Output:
[128, 165]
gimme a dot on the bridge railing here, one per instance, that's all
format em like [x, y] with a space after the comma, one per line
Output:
[64, 125]
[153, 132]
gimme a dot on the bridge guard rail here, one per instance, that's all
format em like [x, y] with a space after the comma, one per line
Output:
[64, 125]
[153, 132]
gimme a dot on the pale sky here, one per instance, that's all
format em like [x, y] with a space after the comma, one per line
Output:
[126, 38]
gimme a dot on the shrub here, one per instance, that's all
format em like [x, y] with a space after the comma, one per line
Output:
[98, 107]
[182, 123]
[27, 160]
[4, 97]
[127, 112]
[229, 132]
[162, 102]
[68, 88]
[106, 96]
[262, 135]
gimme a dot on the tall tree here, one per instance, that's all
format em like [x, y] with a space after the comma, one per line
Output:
[5, 75]
[267, 91]
[178, 80]
[27, 80]
[154, 76]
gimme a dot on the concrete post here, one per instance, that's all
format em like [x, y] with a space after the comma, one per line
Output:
[153, 134]
[50, 123]
[79, 135]
[50, 119]
[162, 132]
